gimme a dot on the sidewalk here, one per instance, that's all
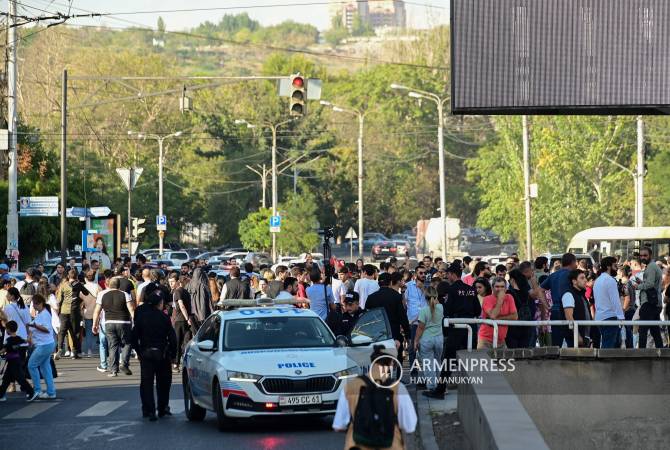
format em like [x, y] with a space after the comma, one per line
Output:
[439, 426]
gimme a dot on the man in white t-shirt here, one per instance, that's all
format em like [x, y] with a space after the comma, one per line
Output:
[367, 284]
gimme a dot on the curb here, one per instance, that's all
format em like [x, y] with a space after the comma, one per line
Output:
[426, 433]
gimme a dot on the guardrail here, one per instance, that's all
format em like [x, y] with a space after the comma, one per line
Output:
[572, 324]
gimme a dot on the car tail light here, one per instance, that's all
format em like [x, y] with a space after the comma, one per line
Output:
[392, 249]
[270, 405]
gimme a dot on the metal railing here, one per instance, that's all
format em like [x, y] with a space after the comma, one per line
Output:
[572, 324]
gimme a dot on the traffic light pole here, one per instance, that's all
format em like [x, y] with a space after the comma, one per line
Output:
[160, 193]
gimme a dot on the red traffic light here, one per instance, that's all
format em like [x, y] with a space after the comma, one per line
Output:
[298, 82]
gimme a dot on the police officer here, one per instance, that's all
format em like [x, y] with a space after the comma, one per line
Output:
[155, 342]
[342, 321]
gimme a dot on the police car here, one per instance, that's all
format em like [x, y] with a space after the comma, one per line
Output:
[274, 359]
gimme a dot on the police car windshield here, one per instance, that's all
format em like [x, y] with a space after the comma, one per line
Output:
[276, 332]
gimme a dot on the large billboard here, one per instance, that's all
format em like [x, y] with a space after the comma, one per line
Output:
[560, 56]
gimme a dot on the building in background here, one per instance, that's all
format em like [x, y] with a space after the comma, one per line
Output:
[377, 14]
[197, 234]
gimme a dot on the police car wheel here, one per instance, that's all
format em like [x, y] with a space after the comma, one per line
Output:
[194, 413]
[224, 423]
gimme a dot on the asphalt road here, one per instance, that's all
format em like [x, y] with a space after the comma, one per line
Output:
[94, 411]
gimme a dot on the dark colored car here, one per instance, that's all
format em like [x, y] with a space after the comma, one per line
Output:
[383, 250]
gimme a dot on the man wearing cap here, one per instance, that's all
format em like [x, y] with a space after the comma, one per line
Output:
[342, 321]
[4, 271]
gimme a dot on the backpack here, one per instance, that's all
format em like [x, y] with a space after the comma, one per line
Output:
[375, 418]
[27, 291]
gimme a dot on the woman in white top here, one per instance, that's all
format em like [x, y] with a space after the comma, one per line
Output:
[42, 337]
[88, 307]
[16, 310]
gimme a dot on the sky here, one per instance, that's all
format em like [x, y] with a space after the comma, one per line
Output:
[420, 13]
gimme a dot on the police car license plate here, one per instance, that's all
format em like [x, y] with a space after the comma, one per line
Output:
[295, 400]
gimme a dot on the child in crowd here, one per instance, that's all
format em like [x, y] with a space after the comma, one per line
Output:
[14, 354]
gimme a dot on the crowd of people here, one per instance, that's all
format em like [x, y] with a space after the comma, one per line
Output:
[92, 311]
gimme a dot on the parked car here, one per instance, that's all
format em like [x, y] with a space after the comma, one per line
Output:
[178, 258]
[402, 247]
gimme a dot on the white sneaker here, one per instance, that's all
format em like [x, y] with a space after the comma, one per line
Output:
[45, 396]
[3, 399]
[67, 354]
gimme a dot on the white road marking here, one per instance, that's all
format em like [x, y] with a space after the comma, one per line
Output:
[96, 432]
[101, 409]
[177, 406]
[30, 411]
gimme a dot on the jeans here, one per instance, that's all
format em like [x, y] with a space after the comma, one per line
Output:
[89, 338]
[430, 351]
[650, 312]
[610, 335]
[161, 371]
[412, 334]
[560, 333]
[104, 348]
[40, 361]
[628, 315]
[118, 335]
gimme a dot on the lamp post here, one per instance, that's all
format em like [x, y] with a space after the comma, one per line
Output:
[361, 119]
[439, 101]
[273, 127]
[160, 140]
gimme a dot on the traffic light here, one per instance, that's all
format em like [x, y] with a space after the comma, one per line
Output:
[137, 229]
[297, 95]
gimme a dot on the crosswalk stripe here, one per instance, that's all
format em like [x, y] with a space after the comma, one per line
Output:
[101, 409]
[177, 406]
[30, 411]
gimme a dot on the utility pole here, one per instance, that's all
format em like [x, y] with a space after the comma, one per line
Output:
[130, 220]
[263, 173]
[439, 101]
[12, 125]
[526, 187]
[63, 171]
[639, 178]
[361, 128]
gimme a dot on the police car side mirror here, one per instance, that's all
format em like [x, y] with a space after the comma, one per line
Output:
[342, 341]
[360, 340]
[206, 346]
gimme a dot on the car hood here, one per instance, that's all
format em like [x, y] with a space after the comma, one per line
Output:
[289, 362]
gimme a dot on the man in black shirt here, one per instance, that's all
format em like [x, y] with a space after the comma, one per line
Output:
[119, 311]
[459, 301]
[389, 297]
[125, 285]
[156, 344]
[342, 322]
[181, 314]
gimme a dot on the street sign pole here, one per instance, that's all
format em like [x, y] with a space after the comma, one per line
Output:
[129, 178]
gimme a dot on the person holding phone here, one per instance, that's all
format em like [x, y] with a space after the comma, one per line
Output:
[42, 337]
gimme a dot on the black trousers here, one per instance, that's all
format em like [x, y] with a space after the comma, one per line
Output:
[161, 371]
[518, 337]
[183, 332]
[118, 339]
[15, 372]
[69, 323]
[456, 339]
[650, 312]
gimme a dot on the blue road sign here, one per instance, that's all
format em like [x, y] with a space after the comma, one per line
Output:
[275, 221]
[161, 220]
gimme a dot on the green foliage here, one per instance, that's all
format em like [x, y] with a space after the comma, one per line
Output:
[361, 28]
[297, 229]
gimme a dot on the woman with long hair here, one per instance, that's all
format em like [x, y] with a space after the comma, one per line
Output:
[519, 289]
[428, 340]
[214, 288]
[16, 310]
[43, 340]
[483, 288]
[100, 254]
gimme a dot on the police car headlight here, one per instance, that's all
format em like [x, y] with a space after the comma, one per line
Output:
[351, 372]
[243, 376]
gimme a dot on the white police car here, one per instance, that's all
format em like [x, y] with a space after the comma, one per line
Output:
[273, 360]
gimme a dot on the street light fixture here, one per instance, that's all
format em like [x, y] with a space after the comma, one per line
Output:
[160, 140]
[361, 118]
[439, 101]
[273, 128]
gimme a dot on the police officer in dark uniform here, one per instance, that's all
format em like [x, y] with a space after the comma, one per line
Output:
[341, 321]
[155, 342]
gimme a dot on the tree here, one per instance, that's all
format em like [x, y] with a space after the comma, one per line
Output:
[298, 227]
[160, 25]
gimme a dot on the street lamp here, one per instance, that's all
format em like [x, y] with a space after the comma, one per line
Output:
[273, 127]
[439, 101]
[361, 118]
[160, 140]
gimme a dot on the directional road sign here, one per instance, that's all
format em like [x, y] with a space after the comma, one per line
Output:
[129, 176]
[275, 224]
[100, 211]
[161, 223]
